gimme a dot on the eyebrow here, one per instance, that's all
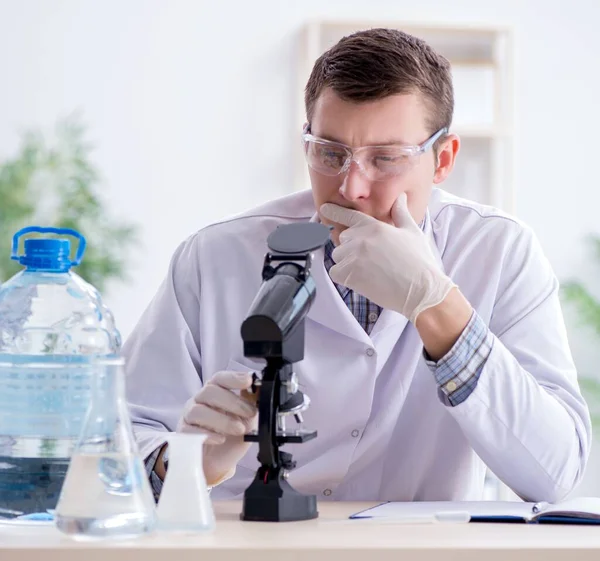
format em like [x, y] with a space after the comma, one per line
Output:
[385, 143]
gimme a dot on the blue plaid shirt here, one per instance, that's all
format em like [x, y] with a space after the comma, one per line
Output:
[458, 371]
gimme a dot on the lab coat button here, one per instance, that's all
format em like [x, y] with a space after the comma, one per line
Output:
[370, 352]
[355, 433]
[327, 492]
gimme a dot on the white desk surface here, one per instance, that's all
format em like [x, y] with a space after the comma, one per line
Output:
[332, 534]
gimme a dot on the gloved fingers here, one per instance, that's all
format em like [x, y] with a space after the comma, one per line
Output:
[205, 417]
[250, 396]
[250, 423]
[345, 249]
[401, 216]
[211, 437]
[359, 232]
[342, 215]
[340, 273]
[231, 380]
[225, 400]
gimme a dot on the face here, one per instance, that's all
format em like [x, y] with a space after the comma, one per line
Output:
[395, 119]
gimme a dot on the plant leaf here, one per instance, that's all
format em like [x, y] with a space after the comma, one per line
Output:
[62, 171]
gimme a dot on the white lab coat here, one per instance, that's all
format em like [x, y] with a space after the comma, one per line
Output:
[383, 432]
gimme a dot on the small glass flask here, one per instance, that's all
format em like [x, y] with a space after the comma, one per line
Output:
[184, 504]
[106, 493]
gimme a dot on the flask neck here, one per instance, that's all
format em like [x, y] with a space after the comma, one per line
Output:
[184, 446]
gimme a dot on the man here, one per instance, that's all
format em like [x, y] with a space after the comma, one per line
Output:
[436, 345]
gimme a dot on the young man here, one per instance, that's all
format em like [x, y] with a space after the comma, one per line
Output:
[436, 344]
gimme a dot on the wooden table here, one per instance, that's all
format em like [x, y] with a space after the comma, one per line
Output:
[332, 534]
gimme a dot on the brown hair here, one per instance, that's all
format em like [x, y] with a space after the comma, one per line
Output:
[373, 64]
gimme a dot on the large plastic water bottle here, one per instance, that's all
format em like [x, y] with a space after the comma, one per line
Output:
[54, 333]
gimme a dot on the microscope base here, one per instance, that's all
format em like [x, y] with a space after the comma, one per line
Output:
[277, 501]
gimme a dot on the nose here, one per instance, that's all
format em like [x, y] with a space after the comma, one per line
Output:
[355, 185]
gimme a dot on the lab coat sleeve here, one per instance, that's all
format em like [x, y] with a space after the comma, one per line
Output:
[526, 418]
[163, 360]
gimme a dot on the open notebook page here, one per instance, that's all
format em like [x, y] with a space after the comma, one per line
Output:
[407, 510]
[582, 507]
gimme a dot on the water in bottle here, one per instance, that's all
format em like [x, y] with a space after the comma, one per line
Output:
[54, 333]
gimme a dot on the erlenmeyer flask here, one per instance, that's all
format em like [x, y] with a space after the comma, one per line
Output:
[184, 504]
[106, 493]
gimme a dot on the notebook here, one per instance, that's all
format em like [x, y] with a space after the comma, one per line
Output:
[585, 510]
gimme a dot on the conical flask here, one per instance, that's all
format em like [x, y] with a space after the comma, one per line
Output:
[106, 493]
[184, 504]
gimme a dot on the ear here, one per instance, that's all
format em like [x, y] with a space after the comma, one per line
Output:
[447, 153]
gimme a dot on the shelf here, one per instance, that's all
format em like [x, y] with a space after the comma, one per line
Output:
[462, 28]
[460, 44]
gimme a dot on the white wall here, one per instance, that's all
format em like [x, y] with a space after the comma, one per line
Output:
[190, 105]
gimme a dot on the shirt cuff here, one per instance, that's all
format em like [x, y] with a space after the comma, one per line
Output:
[156, 482]
[458, 371]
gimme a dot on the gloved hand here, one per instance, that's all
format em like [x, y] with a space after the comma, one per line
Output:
[225, 417]
[394, 266]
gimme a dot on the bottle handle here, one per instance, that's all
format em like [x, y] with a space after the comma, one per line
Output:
[49, 230]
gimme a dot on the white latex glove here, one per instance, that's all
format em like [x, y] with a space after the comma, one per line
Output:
[225, 416]
[394, 266]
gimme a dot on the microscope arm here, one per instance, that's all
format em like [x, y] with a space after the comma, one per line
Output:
[268, 453]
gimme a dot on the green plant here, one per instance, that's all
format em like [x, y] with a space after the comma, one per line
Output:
[588, 311]
[56, 184]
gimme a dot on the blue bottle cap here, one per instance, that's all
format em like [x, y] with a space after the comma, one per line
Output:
[47, 255]
[50, 255]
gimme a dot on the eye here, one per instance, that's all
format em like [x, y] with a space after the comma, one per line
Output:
[332, 158]
[388, 160]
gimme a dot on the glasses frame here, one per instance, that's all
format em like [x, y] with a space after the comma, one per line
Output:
[410, 150]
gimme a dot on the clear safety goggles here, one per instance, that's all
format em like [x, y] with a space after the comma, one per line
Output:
[377, 163]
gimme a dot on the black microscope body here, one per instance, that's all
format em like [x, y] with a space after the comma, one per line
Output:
[274, 331]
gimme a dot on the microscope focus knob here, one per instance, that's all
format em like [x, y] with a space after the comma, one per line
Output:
[292, 383]
[256, 382]
[294, 403]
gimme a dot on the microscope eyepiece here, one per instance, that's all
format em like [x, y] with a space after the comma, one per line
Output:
[285, 295]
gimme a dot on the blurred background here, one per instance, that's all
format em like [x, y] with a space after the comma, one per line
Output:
[141, 121]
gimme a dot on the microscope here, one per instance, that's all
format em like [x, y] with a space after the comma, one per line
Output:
[274, 331]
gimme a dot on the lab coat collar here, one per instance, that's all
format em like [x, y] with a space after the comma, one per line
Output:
[428, 230]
